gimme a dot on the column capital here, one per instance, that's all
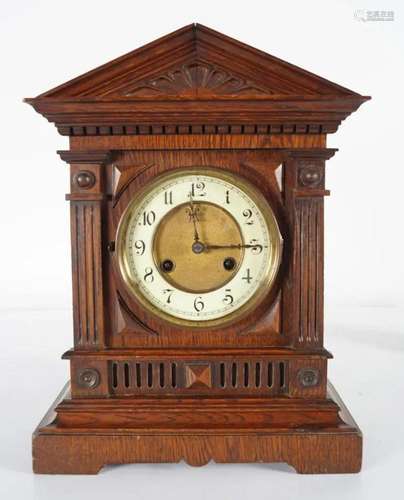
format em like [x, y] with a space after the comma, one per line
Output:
[95, 157]
[311, 153]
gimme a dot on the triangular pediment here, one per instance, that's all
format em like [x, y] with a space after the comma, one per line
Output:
[197, 80]
[196, 62]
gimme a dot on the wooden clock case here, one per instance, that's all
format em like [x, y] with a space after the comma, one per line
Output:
[141, 389]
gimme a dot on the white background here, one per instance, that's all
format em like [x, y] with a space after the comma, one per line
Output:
[45, 43]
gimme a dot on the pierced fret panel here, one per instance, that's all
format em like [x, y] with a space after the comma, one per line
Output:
[141, 376]
[195, 376]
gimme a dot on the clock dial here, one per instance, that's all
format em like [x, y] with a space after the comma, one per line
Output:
[199, 246]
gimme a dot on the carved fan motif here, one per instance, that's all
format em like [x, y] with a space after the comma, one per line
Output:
[194, 79]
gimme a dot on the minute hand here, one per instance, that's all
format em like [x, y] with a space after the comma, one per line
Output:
[193, 216]
[238, 246]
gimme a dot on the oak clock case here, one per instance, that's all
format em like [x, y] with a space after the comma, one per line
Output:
[199, 247]
[197, 187]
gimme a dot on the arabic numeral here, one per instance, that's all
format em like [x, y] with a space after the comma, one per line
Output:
[257, 248]
[168, 198]
[148, 276]
[140, 247]
[148, 218]
[198, 304]
[168, 292]
[228, 298]
[197, 189]
[248, 276]
[247, 213]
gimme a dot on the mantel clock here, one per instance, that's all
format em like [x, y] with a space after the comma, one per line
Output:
[197, 185]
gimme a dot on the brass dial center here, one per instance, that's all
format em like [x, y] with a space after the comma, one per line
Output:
[196, 268]
[198, 247]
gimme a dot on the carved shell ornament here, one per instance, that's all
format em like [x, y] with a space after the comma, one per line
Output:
[194, 78]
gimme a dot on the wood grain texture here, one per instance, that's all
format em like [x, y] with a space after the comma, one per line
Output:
[308, 225]
[87, 272]
[332, 448]
[197, 141]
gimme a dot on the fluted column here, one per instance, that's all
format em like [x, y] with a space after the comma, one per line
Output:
[304, 191]
[86, 198]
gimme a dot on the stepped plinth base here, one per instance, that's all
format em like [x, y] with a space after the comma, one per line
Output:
[81, 436]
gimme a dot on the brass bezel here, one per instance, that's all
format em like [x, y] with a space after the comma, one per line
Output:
[272, 267]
